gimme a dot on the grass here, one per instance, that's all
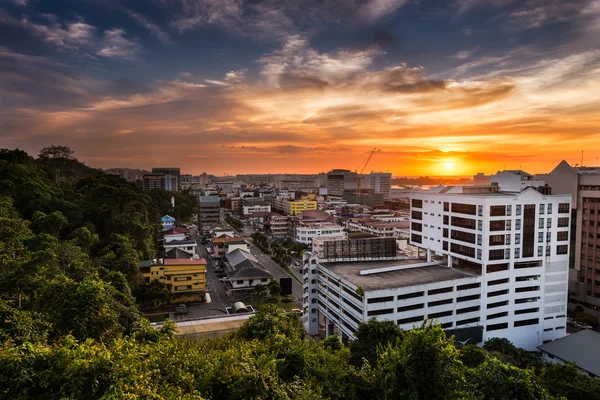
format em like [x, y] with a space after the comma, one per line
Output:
[256, 303]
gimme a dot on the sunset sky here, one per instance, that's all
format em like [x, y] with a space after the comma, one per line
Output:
[449, 87]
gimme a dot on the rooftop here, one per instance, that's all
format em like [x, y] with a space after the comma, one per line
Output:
[581, 348]
[184, 261]
[180, 243]
[396, 278]
[223, 239]
[175, 231]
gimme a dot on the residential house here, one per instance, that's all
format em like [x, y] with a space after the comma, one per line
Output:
[224, 245]
[581, 348]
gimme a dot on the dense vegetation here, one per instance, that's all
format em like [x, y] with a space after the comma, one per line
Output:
[70, 241]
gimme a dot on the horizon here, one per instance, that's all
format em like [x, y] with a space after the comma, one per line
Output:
[444, 88]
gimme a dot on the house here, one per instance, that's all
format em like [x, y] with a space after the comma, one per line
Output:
[244, 271]
[221, 232]
[189, 246]
[175, 233]
[225, 245]
[581, 348]
[176, 252]
[167, 222]
[187, 277]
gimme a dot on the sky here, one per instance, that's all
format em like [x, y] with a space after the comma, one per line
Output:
[449, 87]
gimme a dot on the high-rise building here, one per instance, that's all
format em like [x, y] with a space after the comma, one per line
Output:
[172, 172]
[209, 213]
[381, 182]
[339, 180]
[583, 183]
[491, 265]
[159, 181]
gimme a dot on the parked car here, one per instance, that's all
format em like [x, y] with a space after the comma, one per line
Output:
[181, 309]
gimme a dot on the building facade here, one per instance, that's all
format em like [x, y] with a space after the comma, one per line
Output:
[187, 277]
[517, 243]
[295, 207]
[159, 181]
[381, 182]
[339, 180]
[337, 250]
[209, 213]
[304, 233]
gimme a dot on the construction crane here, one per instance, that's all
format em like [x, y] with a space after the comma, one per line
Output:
[363, 168]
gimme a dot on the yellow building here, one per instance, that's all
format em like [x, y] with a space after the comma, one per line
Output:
[186, 277]
[297, 206]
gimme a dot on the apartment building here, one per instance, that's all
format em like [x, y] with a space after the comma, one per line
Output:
[583, 183]
[381, 182]
[377, 227]
[170, 172]
[279, 226]
[187, 277]
[304, 233]
[209, 213]
[295, 207]
[516, 242]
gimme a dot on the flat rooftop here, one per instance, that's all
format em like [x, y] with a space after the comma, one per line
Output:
[393, 279]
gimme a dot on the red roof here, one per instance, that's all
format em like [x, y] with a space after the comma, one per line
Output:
[184, 261]
[175, 231]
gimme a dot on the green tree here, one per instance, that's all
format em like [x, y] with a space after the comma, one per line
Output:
[260, 290]
[274, 288]
[21, 326]
[565, 380]
[120, 255]
[56, 152]
[153, 294]
[496, 380]
[424, 365]
[269, 321]
[372, 337]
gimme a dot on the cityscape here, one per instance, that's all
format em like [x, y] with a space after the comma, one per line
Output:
[344, 199]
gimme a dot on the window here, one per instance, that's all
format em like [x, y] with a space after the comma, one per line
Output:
[542, 208]
[479, 254]
[495, 327]
[497, 293]
[562, 249]
[410, 295]
[496, 240]
[517, 252]
[541, 223]
[446, 206]
[497, 211]
[468, 286]
[550, 208]
[409, 320]
[496, 254]
[563, 208]
[440, 314]
[498, 304]
[479, 225]
[518, 210]
[438, 291]
[418, 203]
[497, 225]
[459, 208]
[517, 238]
[540, 237]
[498, 282]
[439, 302]
[518, 224]
[562, 236]
[467, 298]
[527, 322]
[527, 311]
[467, 310]
[380, 312]
[497, 315]
[410, 308]
[540, 252]
[549, 223]
[380, 299]
[467, 321]
[508, 210]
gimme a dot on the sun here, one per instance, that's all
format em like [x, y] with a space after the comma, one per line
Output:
[448, 165]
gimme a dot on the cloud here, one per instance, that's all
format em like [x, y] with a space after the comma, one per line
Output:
[163, 36]
[464, 54]
[374, 10]
[78, 37]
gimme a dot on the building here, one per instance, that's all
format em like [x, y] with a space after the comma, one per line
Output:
[583, 183]
[381, 182]
[339, 180]
[515, 181]
[279, 226]
[354, 249]
[175, 233]
[225, 245]
[295, 207]
[305, 232]
[187, 277]
[517, 243]
[481, 179]
[251, 206]
[581, 348]
[365, 197]
[159, 181]
[209, 213]
[379, 228]
[189, 246]
[344, 294]
[244, 272]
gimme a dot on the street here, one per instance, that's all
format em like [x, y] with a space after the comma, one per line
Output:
[276, 270]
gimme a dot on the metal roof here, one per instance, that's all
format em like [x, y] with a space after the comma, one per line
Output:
[581, 348]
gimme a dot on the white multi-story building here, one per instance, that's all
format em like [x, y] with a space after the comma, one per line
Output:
[255, 208]
[304, 233]
[497, 262]
[377, 227]
[381, 182]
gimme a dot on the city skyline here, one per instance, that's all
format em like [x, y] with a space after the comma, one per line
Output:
[438, 87]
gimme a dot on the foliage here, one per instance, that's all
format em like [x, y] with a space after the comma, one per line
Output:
[372, 337]
[153, 294]
[507, 352]
[234, 222]
[274, 288]
[565, 380]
